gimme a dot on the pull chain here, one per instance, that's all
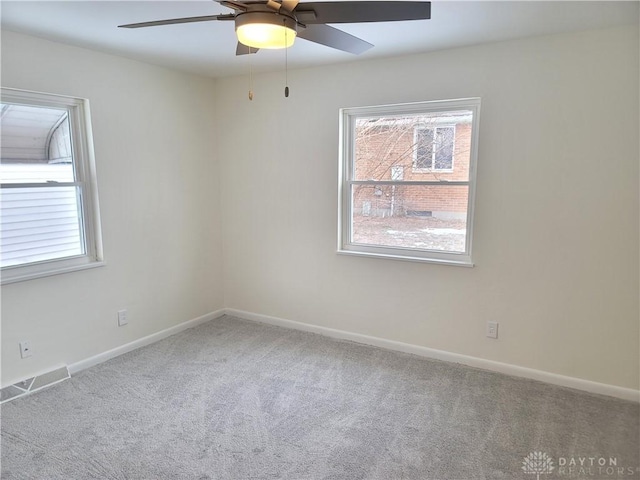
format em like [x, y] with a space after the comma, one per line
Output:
[250, 76]
[286, 65]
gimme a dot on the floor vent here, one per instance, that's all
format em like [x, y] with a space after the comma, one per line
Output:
[33, 384]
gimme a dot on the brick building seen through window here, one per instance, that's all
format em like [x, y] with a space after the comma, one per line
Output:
[412, 149]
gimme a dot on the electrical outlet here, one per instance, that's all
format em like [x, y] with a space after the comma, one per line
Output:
[25, 349]
[492, 329]
[122, 318]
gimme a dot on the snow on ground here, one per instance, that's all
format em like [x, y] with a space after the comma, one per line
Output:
[411, 232]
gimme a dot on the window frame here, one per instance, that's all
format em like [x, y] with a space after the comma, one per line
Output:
[346, 181]
[84, 179]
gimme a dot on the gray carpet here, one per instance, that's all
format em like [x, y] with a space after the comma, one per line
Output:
[233, 399]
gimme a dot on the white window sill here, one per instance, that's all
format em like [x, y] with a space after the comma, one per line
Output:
[406, 258]
[18, 276]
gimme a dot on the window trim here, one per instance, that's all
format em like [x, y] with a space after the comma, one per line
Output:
[346, 174]
[85, 177]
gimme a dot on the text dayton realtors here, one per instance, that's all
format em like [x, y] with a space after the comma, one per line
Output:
[592, 466]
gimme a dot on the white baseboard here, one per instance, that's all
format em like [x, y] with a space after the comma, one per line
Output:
[141, 342]
[547, 377]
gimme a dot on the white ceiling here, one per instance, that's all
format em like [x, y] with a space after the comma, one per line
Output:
[209, 48]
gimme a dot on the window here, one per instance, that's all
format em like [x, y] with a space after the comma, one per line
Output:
[434, 148]
[407, 180]
[48, 199]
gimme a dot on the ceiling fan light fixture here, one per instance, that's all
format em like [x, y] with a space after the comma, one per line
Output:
[265, 30]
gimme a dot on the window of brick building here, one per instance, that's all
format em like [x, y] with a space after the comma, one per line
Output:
[434, 147]
[407, 180]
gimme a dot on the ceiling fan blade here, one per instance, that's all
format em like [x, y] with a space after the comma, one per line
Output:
[358, 12]
[289, 5]
[172, 21]
[242, 49]
[332, 37]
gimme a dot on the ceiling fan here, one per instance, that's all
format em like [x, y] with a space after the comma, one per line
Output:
[276, 24]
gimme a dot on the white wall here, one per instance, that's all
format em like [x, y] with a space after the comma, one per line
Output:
[556, 235]
[158, 183]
